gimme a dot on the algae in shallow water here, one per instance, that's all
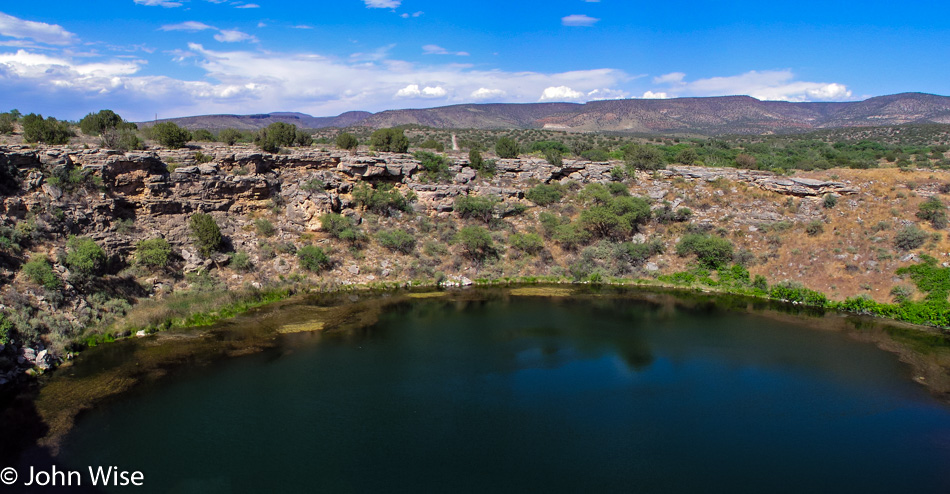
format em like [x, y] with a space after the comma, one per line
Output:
[541, 291]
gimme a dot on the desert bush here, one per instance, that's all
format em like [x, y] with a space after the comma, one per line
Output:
[346, 141]
[203, 135]
[121, 139]
[205, 232]
[313, 258]
[637, 253]
[153, 253]
[612, 216]
[507, 147]
[396, 240]
[934, 211]
[264, 227]
[170, 135]
[545, 194]
[229, 136]
[40, 271]
[479, 207]
[432, 144]
[389, 140]
[435, 167]
[383, 199]
[665, 214]
[476, 241]
[48, 131]
[795, 292]
[643, 157]
[530, 243]
[910, 238]
[341, 227]
[475, 159]
[711, 251]
[94, 124]
[553, 157]
[241, 261]
[829, 201]
[84, 256]
[271, 138]
[814, 228]
[7, 119]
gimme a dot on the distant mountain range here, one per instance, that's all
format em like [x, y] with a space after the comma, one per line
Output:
[710, 116]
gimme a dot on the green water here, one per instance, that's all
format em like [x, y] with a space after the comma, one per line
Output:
[516, 394]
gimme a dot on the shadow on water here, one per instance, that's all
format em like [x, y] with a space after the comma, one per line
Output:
[34, 421]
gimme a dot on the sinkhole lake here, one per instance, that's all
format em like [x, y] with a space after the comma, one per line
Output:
[533, 394]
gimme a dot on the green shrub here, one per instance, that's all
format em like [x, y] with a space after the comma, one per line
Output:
[264, 227]
[795, 292]
[241, 261]
[170, 135]
[95, 124]
[313, 258]
[396, 240]
[910, 238]
[203, 135]
[643, 157]
[571, 235]
[475, 159]
[271, 138]
[205, 231]
[480, 207]
[553, 157]
[711, 251]
[829, 201]
[545, 194]
[383, 199]
[230, 136]
[530, 243]
[49, 131]
[507, 147]
[432, 144]
[476, 241]
[389, 140]
[341, 227]
[121, 139]
[346, 141]
[934, 211]
[84, 256]
[434, 166]
[153, 253]
[7, 120]
[638, 253]
[665, 214]
[612, 216]
[814, 227]
[314, 185]
[40, 271]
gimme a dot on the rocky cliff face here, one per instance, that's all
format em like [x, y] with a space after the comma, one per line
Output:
[120, 199]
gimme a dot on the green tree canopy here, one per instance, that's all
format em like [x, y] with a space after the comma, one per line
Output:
[170, 135]
[507, 147]
[389, 140]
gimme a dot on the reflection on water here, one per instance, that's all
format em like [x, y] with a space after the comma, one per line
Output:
[605, 389]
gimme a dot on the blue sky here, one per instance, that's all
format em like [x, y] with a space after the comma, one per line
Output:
[188, 57]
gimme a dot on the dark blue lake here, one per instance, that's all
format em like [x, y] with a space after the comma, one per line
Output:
[530, 394]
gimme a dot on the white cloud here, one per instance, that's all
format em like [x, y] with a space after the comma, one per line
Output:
[248, 6]
[382, 4]
[233, 36]
[253, 81]
[775, 85]
[302, 26]
[187, 26]
[560, 93]
[671, 78]
[413, 91]
[652, 95]
[51, 34]
[485, 93]
[438, 50]
[414, 14]
[605, 93]
[579, 20]
[158, 3]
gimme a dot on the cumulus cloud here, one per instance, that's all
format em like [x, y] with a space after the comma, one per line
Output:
[579, 20]
[382, 4]
[158, 3]
[233, 36]
[51, 34]
[775, 85]
[652, 95]
[438, 50]
[413, 91]
[483, 93]
[605, 93]
[252, 81]
[187, 26]
[560, 93]
[248, 6]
